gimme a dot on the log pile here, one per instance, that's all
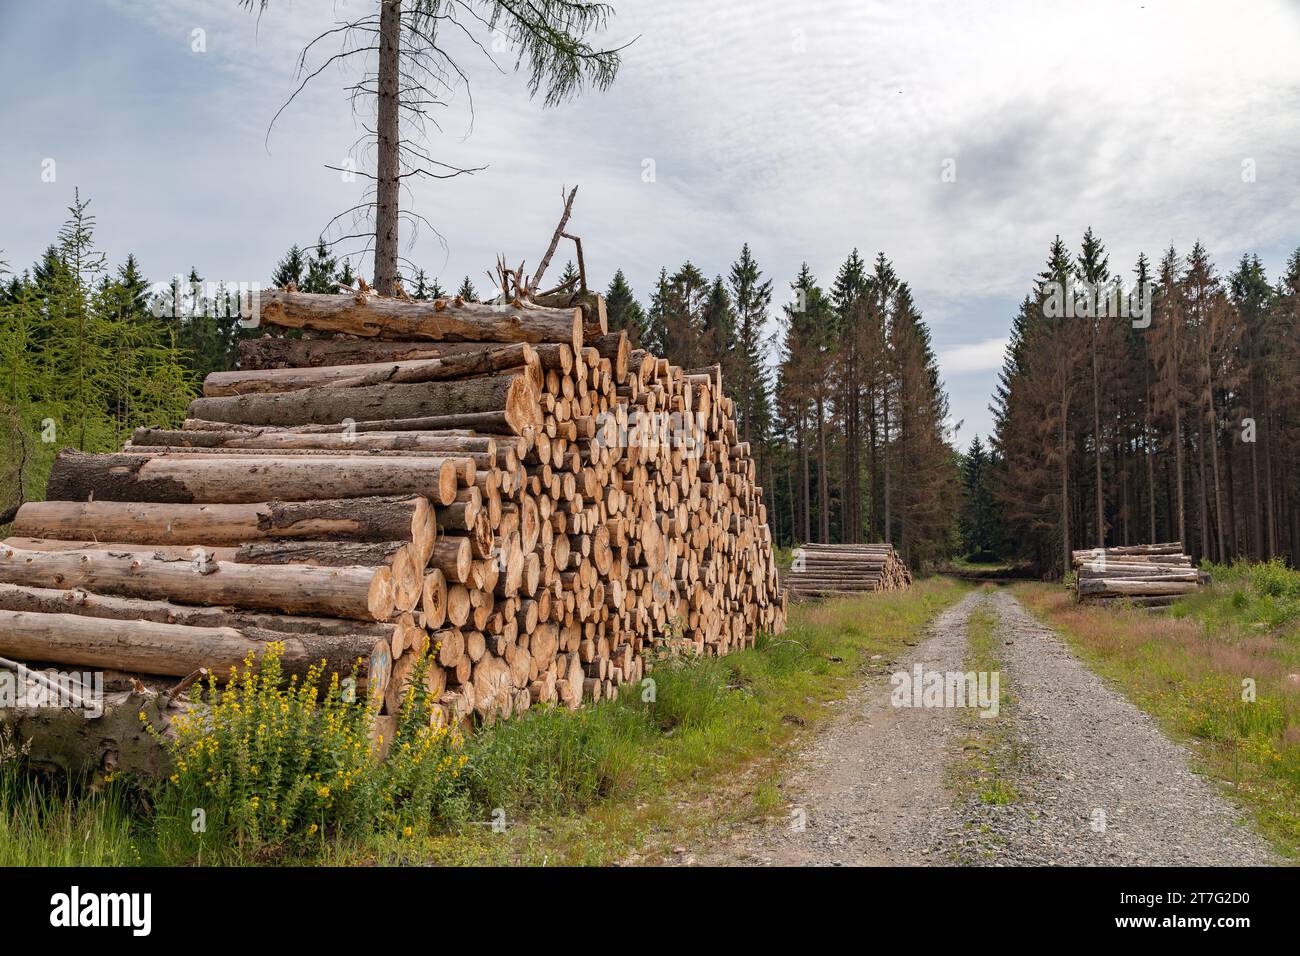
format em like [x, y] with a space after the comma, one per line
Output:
[1145, 575]
[508, 488]
[836, 569]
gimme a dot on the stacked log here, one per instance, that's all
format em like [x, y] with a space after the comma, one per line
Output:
[509, 490]
[836, 569]
[1145, 575]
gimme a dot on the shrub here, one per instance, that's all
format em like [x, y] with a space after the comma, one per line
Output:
[264, 764]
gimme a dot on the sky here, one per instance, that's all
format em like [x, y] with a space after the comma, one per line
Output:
[958, 138]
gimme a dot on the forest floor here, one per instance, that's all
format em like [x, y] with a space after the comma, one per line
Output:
[1068, 771]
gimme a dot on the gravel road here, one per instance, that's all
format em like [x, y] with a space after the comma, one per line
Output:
[1097, 783]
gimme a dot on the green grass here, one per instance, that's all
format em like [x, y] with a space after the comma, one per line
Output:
[990, 755]
[626, 779]
[56, 823]
[1195, 667]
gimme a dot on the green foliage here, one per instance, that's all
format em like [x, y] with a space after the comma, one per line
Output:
[83, 360]
[1258, 595]
[273, 764]
[624, 312]
[746, 377]
[977, 520]
[321, 271]
[467, 290]
[59, 822]
[290, 269]
[424, 290]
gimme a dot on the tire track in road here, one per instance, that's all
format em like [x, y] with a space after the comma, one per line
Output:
[1099, 782]
[869, 789]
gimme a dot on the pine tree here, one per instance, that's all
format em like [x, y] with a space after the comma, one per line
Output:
[421, 291]
[80, 342]
[656, 329]
[345, 277]
[684, 331]
[26, 384]
[746, 374]
[569, 277]
[82, 359]
[1092, 269]
[977, 508]
[466, 291]
[289, 270]
[623, 310]
[320, 270]
[717, 328]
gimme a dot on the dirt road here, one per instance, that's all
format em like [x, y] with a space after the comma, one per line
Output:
[1093, 780]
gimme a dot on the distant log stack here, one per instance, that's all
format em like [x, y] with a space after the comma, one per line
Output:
[1146, 575]
[507, 487]
[833, 569]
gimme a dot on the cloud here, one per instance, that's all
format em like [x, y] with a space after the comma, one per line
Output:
[976, 357]
[806, 130]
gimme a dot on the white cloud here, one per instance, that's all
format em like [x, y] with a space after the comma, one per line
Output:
[805, 130]
[976, 357]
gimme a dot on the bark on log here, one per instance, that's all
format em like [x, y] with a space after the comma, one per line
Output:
[146, 647]
[272, 352]
[364, 594]
[230, 525]
[176, 479]
[443, 320]
[510, 393]
[466, 364]
[279, 440]
[15, 597]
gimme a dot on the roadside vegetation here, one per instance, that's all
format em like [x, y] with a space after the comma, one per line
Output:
[990, 753]
[1220, 671]
[283, 778]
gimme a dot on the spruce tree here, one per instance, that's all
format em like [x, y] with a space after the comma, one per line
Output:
[466, 290]
[656, 324]
[625, 313]
[290, 269]
[717, 327]
[977, 508]
[751, 299]
[80, 342]
[684, 309]
[345, 276]
[320, 270]
[421, 291]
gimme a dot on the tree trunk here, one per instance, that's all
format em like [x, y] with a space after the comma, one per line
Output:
[364, 594]
[511, 392]
[482, 362]
[177, 479]
[1180, 481]
[884, 450]
[38, 600]
[438, 320]
[1096, 439]
[481, 448]
[823, 481]
[1065, 483]
[351, 519]
[388, 136]
[144, 647]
